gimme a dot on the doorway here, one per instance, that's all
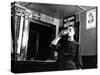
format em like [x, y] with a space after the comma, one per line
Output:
[40, 37]
[32, 45]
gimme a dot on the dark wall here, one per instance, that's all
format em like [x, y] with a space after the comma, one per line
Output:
[87, 38]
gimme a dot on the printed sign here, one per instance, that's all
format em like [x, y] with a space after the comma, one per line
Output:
[91, 19]
[69, 21]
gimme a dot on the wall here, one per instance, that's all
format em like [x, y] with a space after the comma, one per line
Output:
[87, 37]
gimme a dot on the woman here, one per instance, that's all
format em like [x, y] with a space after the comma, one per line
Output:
[66, 47]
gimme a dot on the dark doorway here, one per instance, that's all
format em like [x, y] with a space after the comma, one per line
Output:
[32, 45]
[40, 37]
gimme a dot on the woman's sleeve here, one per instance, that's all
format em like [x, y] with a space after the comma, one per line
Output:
[57, 46]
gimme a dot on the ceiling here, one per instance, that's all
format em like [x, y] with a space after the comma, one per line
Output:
[54, 10]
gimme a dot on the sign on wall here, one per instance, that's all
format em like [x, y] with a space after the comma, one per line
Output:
[91, 19]
[69, 21]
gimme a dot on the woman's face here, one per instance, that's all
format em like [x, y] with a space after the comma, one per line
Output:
[71, 31]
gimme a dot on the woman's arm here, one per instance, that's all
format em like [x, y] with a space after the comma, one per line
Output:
[55, 41]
